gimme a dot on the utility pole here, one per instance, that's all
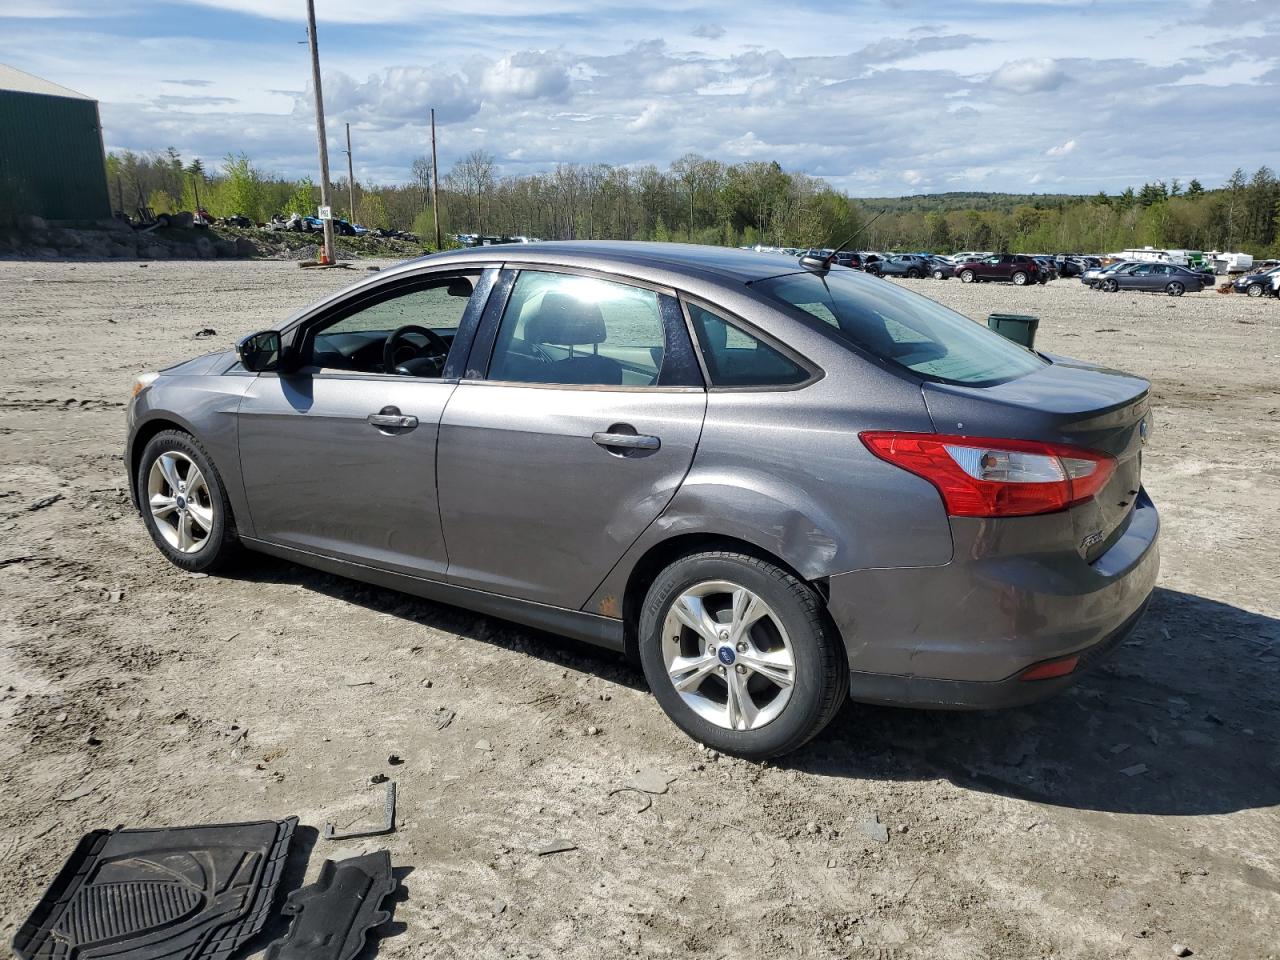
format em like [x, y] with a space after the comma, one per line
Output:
[435, 180]
[351, 181]
[327, 256]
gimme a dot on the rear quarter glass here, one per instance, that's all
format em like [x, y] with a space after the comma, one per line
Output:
[904, 328]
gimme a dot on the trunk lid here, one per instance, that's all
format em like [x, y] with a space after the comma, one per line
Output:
[1069, 401]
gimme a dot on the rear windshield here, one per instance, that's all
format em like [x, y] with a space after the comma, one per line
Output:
[903, 327]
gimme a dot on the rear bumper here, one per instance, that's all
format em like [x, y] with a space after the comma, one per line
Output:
[958, 635]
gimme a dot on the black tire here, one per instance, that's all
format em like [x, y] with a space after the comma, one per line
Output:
[1254, 290]
[913, 274]
[220, 545]
[966, 276]
[1175, 289]
[821, 675]
[939, 275]
[1110, 286]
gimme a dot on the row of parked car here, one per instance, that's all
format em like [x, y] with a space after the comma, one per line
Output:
[1021, 269]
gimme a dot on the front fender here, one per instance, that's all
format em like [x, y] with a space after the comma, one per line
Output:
[206, 408]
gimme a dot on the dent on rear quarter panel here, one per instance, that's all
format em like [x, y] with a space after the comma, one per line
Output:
[786, 472]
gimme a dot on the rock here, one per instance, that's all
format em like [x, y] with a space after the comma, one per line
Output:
[1134, 770]
[874, 830]
[395, 760]
[244, 247]
[556, 846]
[1180, 951]
[484, 746]
[378, 778]
[812, 829]
[650, 780]
[592, 731]
[182, 220]
[38, 223]
[205, 333]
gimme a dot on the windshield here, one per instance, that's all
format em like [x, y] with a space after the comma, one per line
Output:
[903, 327]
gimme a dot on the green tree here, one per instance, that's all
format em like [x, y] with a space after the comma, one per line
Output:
[303, 199]
[242, 188]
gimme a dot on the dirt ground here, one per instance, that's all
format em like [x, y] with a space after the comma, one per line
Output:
[1136, 812]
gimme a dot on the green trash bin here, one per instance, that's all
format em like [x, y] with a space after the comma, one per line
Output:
[1018, 327]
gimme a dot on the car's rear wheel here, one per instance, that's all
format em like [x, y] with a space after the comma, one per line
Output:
[1019, 279]
[184, 503]
[1254, 290]
[939, 275]
[966, 276]
[1175, 289]
[1110, 286]
[741, 655]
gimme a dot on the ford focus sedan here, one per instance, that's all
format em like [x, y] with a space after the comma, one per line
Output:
[774, 485]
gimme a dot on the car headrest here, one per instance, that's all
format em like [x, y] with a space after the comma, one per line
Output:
[565, 321]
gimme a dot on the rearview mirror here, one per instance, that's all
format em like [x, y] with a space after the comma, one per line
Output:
[260, 352]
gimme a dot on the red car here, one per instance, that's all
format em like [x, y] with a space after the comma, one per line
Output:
[1015, 268]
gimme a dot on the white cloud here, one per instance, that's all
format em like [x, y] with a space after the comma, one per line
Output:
[880, 99]
[1033, 75]
[528, 75]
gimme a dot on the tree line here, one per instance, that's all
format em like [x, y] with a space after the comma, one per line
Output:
[701, 200]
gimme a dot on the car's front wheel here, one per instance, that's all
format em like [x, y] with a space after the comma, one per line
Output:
[1019, 279]
[1254, 290]
[741, 655]
[184, 503]
[966, 276]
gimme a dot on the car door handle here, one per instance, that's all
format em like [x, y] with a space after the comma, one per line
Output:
[630, 441]
[392, 421]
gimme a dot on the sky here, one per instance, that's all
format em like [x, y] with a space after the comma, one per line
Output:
[878, 97]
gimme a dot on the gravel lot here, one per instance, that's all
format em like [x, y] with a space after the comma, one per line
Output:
[1136, 812]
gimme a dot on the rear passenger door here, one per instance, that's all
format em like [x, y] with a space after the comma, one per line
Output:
[996, 268]
[576, 423]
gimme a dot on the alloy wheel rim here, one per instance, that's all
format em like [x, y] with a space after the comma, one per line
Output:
[728, 655]
[180, 501]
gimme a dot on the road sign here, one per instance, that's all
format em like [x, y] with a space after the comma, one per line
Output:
[326, 213]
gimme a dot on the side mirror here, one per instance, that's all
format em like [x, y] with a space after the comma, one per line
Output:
[260, 352]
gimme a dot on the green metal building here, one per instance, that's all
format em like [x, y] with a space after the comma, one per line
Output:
[51, 156]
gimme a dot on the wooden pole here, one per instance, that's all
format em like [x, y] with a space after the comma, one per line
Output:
[435, 180]
[351, 181]
[321, 142]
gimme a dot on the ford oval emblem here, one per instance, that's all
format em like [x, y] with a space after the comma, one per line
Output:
[726, 655]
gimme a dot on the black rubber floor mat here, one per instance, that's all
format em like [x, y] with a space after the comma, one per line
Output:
[333, 915]
[184, 893]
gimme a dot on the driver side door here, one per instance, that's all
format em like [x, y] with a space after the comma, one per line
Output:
[338, 456]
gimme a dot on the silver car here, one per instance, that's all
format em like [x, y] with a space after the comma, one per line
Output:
[772, 484]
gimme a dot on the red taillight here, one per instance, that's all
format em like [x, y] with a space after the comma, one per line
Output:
[1050, 669]
[986, 477]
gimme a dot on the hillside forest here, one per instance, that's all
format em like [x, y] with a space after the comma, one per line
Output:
[703, 200]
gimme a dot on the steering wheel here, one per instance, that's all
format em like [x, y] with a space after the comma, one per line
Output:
[436, 349]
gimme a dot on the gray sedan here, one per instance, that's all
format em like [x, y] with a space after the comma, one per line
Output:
[1153, 278]
[773, 485]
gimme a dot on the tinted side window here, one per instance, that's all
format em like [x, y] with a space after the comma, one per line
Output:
[566, 329]
[735, 358]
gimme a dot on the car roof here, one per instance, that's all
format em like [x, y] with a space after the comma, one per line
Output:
[637, 258]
